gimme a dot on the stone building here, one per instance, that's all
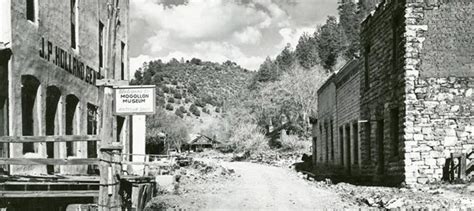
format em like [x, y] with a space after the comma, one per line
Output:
[416, 99]
[53, 54]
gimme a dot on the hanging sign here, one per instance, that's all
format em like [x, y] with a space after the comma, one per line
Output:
[134, 100]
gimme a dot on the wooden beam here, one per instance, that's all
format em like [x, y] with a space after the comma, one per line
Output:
[147, 164]
[49, 194]
[29, 139]
[48, 161]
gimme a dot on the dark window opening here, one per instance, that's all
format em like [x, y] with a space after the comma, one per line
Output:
[380, 147]
[71, 107]
[3, 111]
[101, 48]
[395, 130]
[368, 144]
[355, 137]
[52, 100]
[122, 61]
[321, 137]
[332, 140]
[29, 91]
[347, 136]
[120, 123]
[73, 23]
[92, 116]
[326, 136]
[341, 143]
[30, 10]
[397, 27]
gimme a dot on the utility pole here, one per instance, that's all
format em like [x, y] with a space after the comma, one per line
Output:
[110, 151]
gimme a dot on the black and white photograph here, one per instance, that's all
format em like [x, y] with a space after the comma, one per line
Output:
[144, 105]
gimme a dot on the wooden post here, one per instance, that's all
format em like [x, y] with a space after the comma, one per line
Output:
[110, 151]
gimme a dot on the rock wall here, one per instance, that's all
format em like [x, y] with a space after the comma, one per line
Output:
[440, 81]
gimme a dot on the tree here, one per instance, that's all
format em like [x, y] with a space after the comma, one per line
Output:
[175, 129]
[329, 42]
[306, 52]
[349, 19]
[268, 71]
[285, 59]
[194, 110]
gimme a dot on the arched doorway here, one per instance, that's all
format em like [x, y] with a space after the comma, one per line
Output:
[71, 122]
[53, 94]
[29, 92]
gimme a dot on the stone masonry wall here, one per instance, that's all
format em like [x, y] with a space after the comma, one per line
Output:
[382, 93]
[439, 85]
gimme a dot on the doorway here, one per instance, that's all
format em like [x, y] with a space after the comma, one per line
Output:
[380, 147]
[52, 100]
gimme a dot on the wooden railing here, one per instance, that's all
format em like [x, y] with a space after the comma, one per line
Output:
[48, 161]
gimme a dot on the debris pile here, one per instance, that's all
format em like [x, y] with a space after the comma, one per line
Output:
[200, 170]
[429, 197]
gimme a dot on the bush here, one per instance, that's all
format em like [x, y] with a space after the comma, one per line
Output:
[187, 100]
[172, 90]
[170, 100]
[293, 142]
[160, 101]
[178, 95]
[199, 102]
[169, 107]
[183, 109]
[248, 138]
[194, 110]
[179, 113]
[166, 89]
[206, 110]
[218, 110]
[174, 82]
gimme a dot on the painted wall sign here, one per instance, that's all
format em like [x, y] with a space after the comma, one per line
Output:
[134, 100]
[67, 61]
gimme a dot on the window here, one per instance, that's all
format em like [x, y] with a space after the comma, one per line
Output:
[29, 91]
[71, 122]
[341, 143]
[355, 137]
[101, 47]
[347, 136]
[332, 141]
[122, 62]
[92, 130]
[394, 130]
[368, 130]
[31, 10]
[321, 136]
[120, 124]
[380, 147]
[366, 66]
[74, 18]
[327, 141]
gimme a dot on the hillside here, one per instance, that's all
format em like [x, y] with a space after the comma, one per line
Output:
[194, 90]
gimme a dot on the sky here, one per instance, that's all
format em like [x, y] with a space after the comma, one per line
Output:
[243, 31]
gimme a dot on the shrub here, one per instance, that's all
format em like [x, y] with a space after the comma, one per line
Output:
[178, 95]
[166, 89]
[206, 110]
[183, 109]
[199, 102]
[170, 100]
[179, 113]
[174, 82]
[169, 107]
[194, 110]
[293, 142]
[172, 90]
[187, 100]
[217, 110]
[160, 101]
[248, 138]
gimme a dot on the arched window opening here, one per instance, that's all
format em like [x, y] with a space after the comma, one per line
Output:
[71, 122]
[53, 94]
[92, 116]
[29, 91]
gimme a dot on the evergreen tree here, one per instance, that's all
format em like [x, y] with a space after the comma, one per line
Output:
[306, 52]
[329, 39]
[268, 71]
[285, 59]
[349, 21]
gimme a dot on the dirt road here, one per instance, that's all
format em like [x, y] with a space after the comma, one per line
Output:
[270, 188]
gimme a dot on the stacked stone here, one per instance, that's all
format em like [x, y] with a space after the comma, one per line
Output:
[439, 101]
